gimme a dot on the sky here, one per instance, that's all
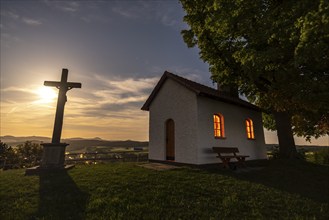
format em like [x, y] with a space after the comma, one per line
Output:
[118, 50]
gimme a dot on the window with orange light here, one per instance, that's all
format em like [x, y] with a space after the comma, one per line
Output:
[219, 126]
[250, 129]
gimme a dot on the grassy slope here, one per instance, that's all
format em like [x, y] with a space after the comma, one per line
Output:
[282, 190]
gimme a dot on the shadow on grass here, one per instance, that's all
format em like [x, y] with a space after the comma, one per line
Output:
[60, 197]
[306, 179]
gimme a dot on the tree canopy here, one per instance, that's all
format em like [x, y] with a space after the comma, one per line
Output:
[24, 155]
[275, 52]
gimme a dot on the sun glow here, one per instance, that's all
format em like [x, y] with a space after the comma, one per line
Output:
[46, 94]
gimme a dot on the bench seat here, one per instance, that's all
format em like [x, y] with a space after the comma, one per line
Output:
[225, 154]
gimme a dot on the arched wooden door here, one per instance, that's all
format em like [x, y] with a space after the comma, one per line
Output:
[170, 139]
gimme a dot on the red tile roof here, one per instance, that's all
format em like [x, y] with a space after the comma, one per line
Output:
[199, 89]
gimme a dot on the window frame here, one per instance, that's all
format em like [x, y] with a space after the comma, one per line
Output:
[218, 126]
[250, 129]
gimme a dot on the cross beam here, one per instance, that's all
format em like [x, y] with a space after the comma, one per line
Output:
[63, 83]
[63, 87]
[70, 85]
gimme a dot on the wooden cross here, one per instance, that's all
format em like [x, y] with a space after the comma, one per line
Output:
[63, 87]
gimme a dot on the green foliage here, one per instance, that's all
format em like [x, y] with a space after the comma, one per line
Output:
[29, 154]
[126, 191]
[24, 155]
[8, 156]
[322, 156]
[276, 52]
[269, 122]
[274, 153]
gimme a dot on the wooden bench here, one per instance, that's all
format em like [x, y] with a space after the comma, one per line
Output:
[228, 153]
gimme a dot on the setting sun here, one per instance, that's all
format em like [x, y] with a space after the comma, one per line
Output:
[46, 94]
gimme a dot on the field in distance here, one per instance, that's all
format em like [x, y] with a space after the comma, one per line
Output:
[79, 144]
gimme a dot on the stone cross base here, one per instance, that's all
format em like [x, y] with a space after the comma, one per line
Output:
[53, 159]
[53, 156]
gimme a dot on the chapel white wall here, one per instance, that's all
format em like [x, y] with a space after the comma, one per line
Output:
[235, 130]
[174, 101]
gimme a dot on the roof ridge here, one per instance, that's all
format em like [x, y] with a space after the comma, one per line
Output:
[189, 81]
[199, 89]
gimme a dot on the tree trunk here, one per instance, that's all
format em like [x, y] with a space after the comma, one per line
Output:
[285, 135]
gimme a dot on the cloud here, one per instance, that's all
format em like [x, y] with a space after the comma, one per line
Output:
[16, 17]
[87, 11]
[137, 9]
[18, 104]
[8, 39]
[115, 102]
[21, 98]
[128, 13]
[112, 109]
[136, 86]
[168, 21]
[166, 13]
[65, 6]
[31, 22]
[11, 15]
[95, 17]
[17, 89]
[123, 93]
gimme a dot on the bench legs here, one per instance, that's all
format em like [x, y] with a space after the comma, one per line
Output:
[241, 162]
[226, 162]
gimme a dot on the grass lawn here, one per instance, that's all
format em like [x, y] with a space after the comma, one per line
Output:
[282, 190]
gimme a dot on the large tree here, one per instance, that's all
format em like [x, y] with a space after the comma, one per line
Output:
[276, 52]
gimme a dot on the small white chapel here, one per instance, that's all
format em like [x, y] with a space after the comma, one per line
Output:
[187, 119]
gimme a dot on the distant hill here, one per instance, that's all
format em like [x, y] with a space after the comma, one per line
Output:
[82, 145]
[14, 141]
[75, 144]
[270, 147]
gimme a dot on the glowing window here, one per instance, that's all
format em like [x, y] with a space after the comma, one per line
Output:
[219, 126]
[250, 129]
